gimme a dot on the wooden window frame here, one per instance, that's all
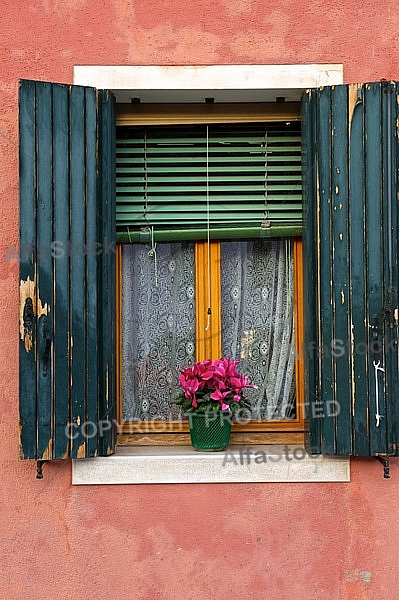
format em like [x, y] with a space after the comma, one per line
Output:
[176, 432]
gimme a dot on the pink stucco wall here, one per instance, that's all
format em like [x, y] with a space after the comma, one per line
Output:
[172, 542]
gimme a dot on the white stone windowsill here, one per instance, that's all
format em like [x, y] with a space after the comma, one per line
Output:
[181, 464]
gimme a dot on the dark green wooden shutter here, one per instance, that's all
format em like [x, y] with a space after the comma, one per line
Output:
[350, 147]
[67, 271]
[251, 174]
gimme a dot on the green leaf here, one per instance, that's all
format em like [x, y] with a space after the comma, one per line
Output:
[205, 398]
[179, 400]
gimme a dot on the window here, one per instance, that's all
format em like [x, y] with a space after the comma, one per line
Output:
[215, 277]
[68, 275]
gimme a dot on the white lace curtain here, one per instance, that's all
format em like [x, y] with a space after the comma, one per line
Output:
[158, 327]
[158, 324]
[258, 321]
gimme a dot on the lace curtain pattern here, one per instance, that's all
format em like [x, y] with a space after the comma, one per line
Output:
[158, 324]
[258, 321]
[158, 327]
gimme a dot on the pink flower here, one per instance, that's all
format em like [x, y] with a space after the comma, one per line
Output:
[218, 395]
[219, 378]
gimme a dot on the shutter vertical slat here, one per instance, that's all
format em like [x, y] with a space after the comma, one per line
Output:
[325, 300]
[107, 414]
[61, 270]
[393, 406]
[375, 240]
[65, 361]
[92, 267]
[78, 267]
[310, 280]
[358, 344]
[340, 252]
[27, 250]
[44, 269]
[380, 433]
[393, 409]
[389, 136]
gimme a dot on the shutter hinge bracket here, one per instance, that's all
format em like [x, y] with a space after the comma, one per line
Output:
[384, 460]
[39, 466]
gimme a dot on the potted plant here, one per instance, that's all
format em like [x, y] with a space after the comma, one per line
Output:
[212, 396]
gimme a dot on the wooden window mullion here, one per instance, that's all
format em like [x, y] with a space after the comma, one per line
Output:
[208, 301]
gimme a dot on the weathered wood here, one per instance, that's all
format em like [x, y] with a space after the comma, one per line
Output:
[310, 270]
[351, 145]
[93, 266]
[62, 351]
[340, 251]
[67, 313]
[323, 331]
[357, 290]
[78, 313]
[107, 404]
[27, 249]
[44, 267]
[390, 260]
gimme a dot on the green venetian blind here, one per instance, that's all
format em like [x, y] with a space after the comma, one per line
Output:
[243, 180]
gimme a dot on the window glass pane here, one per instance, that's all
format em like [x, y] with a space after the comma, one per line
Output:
[158, 327]
[258, 321]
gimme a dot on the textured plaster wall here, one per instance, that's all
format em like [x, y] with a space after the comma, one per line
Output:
[258, 541]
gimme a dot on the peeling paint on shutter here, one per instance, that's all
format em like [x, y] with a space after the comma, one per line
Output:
[351, 268]
[67, 271]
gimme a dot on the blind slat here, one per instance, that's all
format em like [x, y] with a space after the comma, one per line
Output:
[170, 175]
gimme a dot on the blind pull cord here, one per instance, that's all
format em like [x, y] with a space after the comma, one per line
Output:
[209, 311]
[152, 253]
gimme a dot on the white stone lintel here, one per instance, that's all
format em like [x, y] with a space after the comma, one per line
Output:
[225, 83]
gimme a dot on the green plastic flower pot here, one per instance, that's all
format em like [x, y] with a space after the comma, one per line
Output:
[210, 432]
